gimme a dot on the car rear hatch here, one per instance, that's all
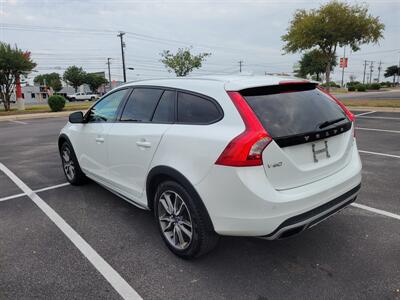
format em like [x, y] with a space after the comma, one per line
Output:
[312, 133]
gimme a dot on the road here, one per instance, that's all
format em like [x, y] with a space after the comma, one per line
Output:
[353, 255]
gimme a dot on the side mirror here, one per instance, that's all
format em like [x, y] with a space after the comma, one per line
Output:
[76, 117]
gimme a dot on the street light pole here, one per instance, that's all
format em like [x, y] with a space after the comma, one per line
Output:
[121, 34]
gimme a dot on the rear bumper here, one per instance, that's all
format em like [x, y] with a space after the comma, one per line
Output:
[306, 220]
[242, 202]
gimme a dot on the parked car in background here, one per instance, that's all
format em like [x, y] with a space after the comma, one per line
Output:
[244, 156]
[83, 97]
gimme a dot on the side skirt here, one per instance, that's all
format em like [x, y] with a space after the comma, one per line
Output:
[117, 193]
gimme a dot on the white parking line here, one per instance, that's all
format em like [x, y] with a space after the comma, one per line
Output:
[18, 122]
[378, 153]
[119, 284]
[377, 211]
[374, 129]
[383, 118]
[51, 187]
[36, 191]
[365, 113]
[12, 197]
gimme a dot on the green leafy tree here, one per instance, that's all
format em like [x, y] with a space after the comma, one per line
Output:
[392, 71]
[75, 76]
[94, 81]
[13, 64]
[183, 62]
[52, 80]
[333, 24]
[313, 63]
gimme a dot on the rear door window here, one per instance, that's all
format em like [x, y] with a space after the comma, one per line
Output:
[284, 112]
[141, 105]
[193, 109]
[165, 111]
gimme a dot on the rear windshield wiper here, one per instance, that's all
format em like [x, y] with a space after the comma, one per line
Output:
[331, 122]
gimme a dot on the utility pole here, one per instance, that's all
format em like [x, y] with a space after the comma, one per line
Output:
[371, 69]
[121, 34]
[365, 68]
[379, 71]
[240, 65]
[343, 64]
[109, 71]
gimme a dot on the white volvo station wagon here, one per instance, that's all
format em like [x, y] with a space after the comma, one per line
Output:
[245, 156]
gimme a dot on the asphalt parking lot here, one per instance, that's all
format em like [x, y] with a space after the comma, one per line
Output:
[353, 255]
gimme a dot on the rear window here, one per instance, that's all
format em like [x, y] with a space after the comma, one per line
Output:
[284, 112]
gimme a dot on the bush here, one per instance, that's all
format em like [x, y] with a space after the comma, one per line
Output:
[330, 84]
[351, 88]
[56, 102]
[353, 83]
[375, 86]
[361, 88]
[386, 84]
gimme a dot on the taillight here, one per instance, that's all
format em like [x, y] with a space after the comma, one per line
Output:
[246, 149]
[348, 113]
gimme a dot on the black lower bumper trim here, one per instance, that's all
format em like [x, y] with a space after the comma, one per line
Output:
[302, 218]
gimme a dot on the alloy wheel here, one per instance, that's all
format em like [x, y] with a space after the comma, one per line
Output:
[175, 220]
[68, 164]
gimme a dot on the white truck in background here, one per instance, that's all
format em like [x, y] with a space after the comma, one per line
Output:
[82, 97]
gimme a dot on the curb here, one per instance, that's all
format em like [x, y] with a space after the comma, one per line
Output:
[38, 115]
[371, 108]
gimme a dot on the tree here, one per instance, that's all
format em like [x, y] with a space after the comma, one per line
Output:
[52, 80]
[94, 81]
[313, 63]
[13, 64]
[75, 76]
[392, 71]
[333, 24]
[183, 62]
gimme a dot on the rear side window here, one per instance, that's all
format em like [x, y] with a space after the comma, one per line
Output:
[141, 104]
[286, 113]
[193, 109]
[165, 111]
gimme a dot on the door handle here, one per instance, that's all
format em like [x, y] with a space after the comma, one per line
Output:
[143, 143]
[99, 140]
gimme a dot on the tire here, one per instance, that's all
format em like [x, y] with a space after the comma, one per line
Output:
[173, 223]
[71, 168]
[71, 99]
[92, 98]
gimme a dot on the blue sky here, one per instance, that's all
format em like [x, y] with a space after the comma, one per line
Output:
[61, 33]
